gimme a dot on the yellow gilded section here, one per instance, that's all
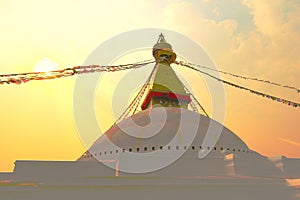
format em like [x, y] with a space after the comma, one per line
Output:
[167, 81]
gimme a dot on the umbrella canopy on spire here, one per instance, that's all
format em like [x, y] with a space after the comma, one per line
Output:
[162, 51]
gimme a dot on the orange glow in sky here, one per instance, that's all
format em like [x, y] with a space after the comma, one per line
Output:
[252, 38]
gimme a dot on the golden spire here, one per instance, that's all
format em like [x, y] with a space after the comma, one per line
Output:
[167, 90]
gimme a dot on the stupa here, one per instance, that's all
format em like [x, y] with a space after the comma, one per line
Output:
[166, 139]
[166, 144]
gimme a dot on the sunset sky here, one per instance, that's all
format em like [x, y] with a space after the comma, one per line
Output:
[257, 38]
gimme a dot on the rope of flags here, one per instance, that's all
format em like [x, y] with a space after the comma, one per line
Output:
[195, 103]
[26, 77]
[132, 108]
[242, 77]
[19, 78]
[284, 101]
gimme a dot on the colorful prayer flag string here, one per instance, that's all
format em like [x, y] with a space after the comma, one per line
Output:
[284, 101]
[242, 77]
[29, 76]
[19, 78]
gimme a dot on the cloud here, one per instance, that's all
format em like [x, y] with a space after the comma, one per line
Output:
[269, 48]
[216, 12]
[268, 17]
[215, 36]
[275, 42]
[290, 141]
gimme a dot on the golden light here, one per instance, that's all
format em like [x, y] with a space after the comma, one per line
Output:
[46, 65]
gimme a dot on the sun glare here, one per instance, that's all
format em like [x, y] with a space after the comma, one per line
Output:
[46, 65]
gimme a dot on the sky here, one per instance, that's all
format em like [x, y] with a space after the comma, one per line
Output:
[254, 38]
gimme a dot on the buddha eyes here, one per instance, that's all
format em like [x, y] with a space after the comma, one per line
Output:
[165, 56]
